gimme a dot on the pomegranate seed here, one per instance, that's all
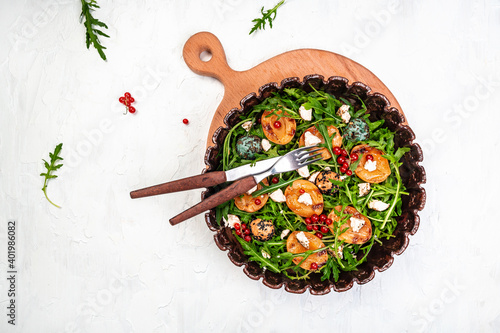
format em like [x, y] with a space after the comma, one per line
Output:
[302, 191]
[314, 266]
[309, 227]
[328, 221]
[341, 159]
[131, 109]
[185, 121]
[277, 124]
[343, 152]
[315, 227]
[348, 172]
[247, 232]
[238, 232]
[243, 226]
[308, 220]
[336, 150]
[319, 235]
[314, 218]
[247, 238]
[323, 217]
[237, 226]
[257, 202]
[369, 157]
[343, 169]
[275, 180]
[354, 157]
[324, 229]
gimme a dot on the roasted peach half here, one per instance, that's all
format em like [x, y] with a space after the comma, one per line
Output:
[382, 168]
[279, 131]
[336, 141]
[248, 203]
[353, 231]
[304, 198]
[294, 246]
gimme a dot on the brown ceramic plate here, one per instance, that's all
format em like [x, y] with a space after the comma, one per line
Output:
[413, 175]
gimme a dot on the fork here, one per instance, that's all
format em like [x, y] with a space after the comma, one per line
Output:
[293, 160]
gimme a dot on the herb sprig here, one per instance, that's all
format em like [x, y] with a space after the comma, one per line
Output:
[90, 24]
[267, 16]
[54, 157]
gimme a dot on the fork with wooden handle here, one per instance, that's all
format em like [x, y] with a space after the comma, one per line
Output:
[245, 177]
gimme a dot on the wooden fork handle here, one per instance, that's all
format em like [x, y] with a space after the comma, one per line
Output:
[189, 183]
[233, 190]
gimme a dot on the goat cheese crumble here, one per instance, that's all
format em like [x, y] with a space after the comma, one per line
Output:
[305, 199]
[356, 224]
[301, 237]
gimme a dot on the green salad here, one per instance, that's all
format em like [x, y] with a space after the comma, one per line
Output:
[323, 218]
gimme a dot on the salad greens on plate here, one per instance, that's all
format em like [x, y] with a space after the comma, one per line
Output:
[326, 217]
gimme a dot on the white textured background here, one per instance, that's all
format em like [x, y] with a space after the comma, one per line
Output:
[105, 263]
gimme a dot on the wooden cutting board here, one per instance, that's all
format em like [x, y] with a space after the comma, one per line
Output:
[297, 63]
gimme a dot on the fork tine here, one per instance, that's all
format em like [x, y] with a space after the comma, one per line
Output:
[307, 152]
[311, 162]
[304, 160]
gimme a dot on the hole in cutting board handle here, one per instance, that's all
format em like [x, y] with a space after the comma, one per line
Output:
[205, 55]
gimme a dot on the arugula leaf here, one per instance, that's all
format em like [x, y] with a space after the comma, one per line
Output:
[54, 157]
[88, 6]
[267, 16]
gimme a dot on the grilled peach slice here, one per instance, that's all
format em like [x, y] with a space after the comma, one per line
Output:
[336, 141]
[279, 131]
[294, 246]
[382, 169]
[301, 190]
[353, 231]
[249, 204]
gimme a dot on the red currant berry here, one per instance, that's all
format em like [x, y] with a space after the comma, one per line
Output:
[354, 157]
[348, 172]
[345, 165]
[238, 232]
[131, 109]
[247, 232]
[369, 157]
[277, 124]
[324, 229]
[341, 159]
[248, 238]
[314, 266]
[343, 152]
[336, 150]
[122, 100]
[257, 202]
[328, 221]
[314, 218]
[243, 226]
[127, 95]
[343, 169]
[309, 227]
[275, 180]
[315, 227]
[237, 226]
[308, 220]
[185, 121]
[131, 100]
[319, 235]
[302, 191]
[323, 217]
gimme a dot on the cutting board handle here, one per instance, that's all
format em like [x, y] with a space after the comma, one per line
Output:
[216, 66]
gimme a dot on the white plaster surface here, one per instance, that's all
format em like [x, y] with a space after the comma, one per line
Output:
[105, 263]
